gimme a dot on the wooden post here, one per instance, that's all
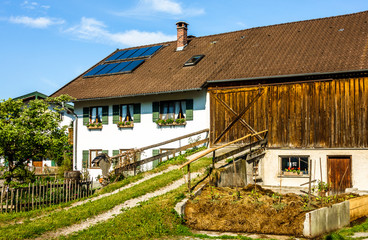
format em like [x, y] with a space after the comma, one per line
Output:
[310, 182]
[189, 187]
[1, 198]
[32, 196]
[7, 196]
[11, 200]
[39, 195]
[213, 159]
[320, 168]
[16, 200]
[28, 196]
[21, 198]
[234, 178]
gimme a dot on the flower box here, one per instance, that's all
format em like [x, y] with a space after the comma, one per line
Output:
[171, 122]
[94, 127]
[126, 125]
[292, 174]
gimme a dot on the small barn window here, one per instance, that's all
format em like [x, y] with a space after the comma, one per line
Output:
[193, 60]
[295, 164]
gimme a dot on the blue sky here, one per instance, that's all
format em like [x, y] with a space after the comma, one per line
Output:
[44, 44]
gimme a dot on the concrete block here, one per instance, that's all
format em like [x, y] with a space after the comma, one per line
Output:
[326, 219]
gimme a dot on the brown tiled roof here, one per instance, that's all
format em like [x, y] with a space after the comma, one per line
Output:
[324, 45]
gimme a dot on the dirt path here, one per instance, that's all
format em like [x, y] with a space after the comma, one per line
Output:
[115, 211]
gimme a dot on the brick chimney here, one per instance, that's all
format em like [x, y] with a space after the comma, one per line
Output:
[182, 36]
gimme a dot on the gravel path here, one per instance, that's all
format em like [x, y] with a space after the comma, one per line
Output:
[116, 210]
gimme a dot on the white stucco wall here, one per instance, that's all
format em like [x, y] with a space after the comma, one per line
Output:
[144, 133]
[272, 168]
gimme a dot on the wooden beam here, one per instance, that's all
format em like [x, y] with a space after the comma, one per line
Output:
[219, 147]
[242, 121]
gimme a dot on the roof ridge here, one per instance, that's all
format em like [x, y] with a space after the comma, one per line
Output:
[286, 23]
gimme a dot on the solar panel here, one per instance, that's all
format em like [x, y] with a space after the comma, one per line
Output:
[108, 68]
[139, 52]
[119, 67]
[132, 65]
[127, 54]
[116, 55]
[151, 51]
[95, 70]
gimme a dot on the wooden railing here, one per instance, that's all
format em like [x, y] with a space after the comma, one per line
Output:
[213, 150]
[135, 164]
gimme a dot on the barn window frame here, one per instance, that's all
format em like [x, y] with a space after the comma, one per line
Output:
[295, 162]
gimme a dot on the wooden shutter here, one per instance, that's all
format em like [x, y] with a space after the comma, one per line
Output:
[189, 110]
[155, 111]
[155, 152]
[85, 116]
[53, 163]
[137, 113]
[115, 152]
[115, 114]
[105, 115]
[85, 159]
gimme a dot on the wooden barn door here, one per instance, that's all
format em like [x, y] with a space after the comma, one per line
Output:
[339, 173]
[233, 113]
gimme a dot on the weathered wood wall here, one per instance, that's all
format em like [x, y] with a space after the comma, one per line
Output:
[320, 114]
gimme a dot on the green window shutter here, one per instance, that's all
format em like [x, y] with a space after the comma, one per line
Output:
[189, 110]
[115, 114]
[155, 152]
[53, 163]
[116, 160]
[85, 116]
[155, 111]
[115, 152]
[105, 151]
[137, 113]
[85, 159]
[105, 115]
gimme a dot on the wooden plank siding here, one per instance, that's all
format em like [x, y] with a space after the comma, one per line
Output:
[316, 114]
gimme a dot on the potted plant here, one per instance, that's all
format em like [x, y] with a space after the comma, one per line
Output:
[322, 188]
[125, 124]
[94, 125]
[292, 172]
[171, 122]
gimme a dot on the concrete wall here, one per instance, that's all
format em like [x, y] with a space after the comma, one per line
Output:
[271, 166]
[326, 219]
[144, 133]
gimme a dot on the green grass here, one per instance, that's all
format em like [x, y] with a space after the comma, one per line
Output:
[346, 233]
[74, 215]
[151, 220]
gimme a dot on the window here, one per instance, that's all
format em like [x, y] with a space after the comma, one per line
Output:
[95, 115]
[89, 155]
[175, 110]
[172, 110]
[92, 155]
[295, 163]
[193, 60]
[126, 112]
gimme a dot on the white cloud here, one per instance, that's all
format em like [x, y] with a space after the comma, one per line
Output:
[34, 6]
[41, 22]
[94, 30]
[149, 8]
[167, 6]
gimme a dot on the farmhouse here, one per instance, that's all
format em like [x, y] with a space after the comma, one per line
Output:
[306, 82]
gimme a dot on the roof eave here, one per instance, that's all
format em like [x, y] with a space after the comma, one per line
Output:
[284, 76]
[138, 95]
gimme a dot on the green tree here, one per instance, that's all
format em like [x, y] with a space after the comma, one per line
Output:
[30, 131]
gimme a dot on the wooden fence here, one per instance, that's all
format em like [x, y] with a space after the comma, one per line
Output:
[37, 196]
